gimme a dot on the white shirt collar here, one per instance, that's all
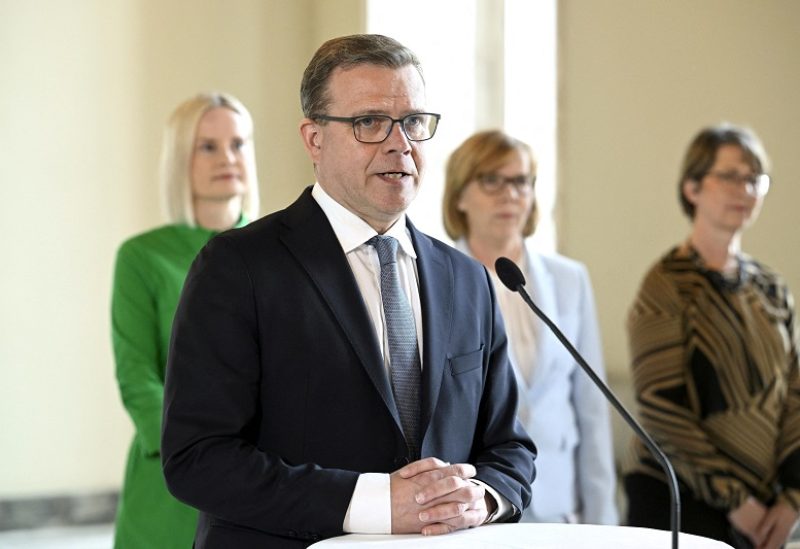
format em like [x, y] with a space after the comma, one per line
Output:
[352, 231]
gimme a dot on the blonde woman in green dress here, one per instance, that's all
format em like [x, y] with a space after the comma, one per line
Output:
[208, 174]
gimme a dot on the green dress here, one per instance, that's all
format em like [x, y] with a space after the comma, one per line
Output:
[148, 278]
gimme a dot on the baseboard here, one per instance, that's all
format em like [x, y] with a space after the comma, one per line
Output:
[62, 510]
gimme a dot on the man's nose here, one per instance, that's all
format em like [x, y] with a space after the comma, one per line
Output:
[397, 138]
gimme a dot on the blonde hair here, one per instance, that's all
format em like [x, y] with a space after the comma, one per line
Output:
[176, 157]
[481, 153]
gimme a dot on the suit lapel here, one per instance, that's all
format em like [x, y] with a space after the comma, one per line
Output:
[309, 237]
[436, 297]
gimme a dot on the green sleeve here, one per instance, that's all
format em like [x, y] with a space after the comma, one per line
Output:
[134, 320]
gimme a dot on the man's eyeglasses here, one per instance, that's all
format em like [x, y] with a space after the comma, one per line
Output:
[757, 184]
[493, 183]
[375, 128]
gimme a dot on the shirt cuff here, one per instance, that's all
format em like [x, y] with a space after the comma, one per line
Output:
[504, 508]
[370, 509]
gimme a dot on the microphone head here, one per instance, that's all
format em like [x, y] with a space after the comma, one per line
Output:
[509, 273]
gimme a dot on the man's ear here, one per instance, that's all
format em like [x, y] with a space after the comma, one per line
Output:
[311, 135]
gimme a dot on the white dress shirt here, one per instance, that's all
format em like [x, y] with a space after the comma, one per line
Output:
[521, 326]
[370, 510]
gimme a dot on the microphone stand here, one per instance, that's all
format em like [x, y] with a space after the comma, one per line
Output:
[629, 419]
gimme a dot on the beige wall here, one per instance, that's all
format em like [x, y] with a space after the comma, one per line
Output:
[88, 84]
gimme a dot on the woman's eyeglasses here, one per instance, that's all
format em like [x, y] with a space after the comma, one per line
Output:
[757, 184]
[493, 183]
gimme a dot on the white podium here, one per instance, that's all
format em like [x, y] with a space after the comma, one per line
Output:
[530, 536]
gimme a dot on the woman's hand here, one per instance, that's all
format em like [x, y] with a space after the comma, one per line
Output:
[747, 518]
[776, 526]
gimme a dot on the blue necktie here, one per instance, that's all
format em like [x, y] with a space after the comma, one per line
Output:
[404, 363]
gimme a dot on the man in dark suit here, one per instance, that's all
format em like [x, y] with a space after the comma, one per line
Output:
[284, 422]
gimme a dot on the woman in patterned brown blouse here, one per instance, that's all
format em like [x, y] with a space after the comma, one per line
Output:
[715, 365]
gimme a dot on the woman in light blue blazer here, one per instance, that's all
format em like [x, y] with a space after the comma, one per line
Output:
[489, 209]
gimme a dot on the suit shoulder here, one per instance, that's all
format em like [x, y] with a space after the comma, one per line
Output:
[253, 235]
[560, 265]
[296, 214]
[260, 225]
[459, 259]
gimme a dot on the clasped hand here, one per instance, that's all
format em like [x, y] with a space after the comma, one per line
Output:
[767, 527]
[432, 497]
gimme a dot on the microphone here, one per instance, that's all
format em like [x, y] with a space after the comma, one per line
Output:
[512, 278]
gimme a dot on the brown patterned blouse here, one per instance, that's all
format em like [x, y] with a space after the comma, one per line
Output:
[717, 380]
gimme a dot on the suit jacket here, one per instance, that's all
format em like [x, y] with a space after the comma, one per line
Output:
[277, 397]
[560, 407]
[566, 411]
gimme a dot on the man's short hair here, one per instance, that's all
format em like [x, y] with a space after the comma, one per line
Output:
[346, 52]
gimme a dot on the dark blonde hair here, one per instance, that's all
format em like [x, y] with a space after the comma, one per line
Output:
[347, 52]
[483, 152]
[702, 153]
[176, 156]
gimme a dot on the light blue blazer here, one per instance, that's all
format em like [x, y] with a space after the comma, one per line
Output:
[565, 414]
